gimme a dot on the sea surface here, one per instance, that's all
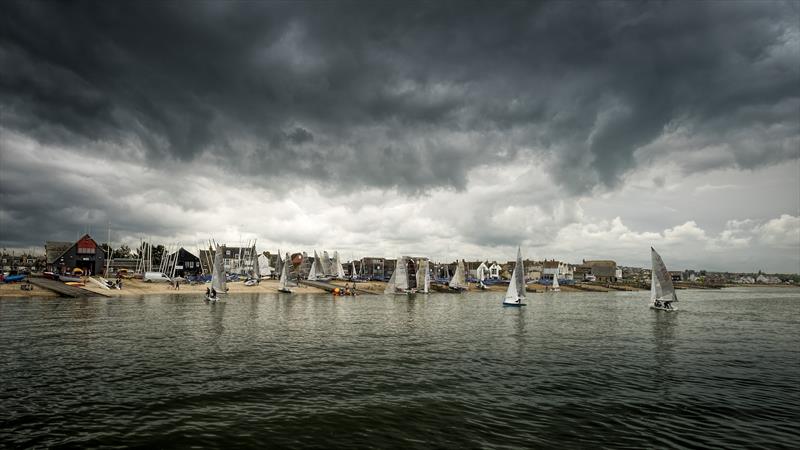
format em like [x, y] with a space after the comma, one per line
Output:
[569, 370]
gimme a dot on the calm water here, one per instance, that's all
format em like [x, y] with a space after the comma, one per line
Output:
[569, 370]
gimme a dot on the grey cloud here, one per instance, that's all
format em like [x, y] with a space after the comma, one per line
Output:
[394, 95]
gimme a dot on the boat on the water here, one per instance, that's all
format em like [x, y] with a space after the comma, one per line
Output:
[423, 277]
[398, 282]
[283, 281]
[556, 287]
[662, 292]
[218, 280]
[515, 294]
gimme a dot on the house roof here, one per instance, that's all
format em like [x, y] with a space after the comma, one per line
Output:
[55, 249]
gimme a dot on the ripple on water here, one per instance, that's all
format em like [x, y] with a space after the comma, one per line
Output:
[575, 370]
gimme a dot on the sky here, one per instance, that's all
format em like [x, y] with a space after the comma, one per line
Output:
[575, 130]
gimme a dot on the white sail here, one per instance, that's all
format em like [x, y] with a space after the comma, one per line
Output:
[337, 266]
[555, 281]
[661, 280]
[420, 276]
[283, 282]
[515, 293]
[352, 269]
[427, 277]
[481, 271]
[256, 270]
[512, 296]
[391, 286]
[313, 272]
[423, 277]
[218, 281]
[264, 269]
[398, 282]
[278, 263]
[458, 281]
[519, 275]
[325, 264]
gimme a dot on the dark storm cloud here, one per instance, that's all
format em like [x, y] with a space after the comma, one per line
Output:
[409, 95]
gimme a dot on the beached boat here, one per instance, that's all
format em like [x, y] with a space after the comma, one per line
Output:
[66, 278]
[283, 281]
[515, 294]
[662, 292]
[13, 278]
[458, 282]
[255, 275]
[218, 280]
[556, 287]
[317, 271]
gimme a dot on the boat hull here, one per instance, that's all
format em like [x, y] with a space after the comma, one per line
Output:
[661, 308]
[515, 305]
[284, 291]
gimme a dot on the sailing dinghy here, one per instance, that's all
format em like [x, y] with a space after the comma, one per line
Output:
[662, 292]
[398, 282]
[515, 294]
[283, 281]
[459, 280]
[556, 287]
[423, 277]
[218, 281]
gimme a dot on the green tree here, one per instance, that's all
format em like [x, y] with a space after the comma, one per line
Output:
[122, 252]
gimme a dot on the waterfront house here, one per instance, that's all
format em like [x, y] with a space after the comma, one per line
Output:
[603, 271]
[84, 254]
[187, 263]
[494, 271]
[373, 268]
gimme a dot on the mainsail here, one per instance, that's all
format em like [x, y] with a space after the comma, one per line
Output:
[283, 282]
[519, 275]
[337, 266]
[423, 277]
[325, 264]
[555, 280]
[313, 271]
[481, 271]
[398, 283]
[459, 279]
[218, 282]
[516, 286]
[661, 287]
[256, 270]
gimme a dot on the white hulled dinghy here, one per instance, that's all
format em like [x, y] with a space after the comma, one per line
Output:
[515, 294]
[556, 286]
[662, 292]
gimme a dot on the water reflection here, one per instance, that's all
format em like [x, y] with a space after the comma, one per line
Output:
[665, 326]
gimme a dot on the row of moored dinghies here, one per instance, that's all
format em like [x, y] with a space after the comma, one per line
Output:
[325, 268]
[400, 281]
